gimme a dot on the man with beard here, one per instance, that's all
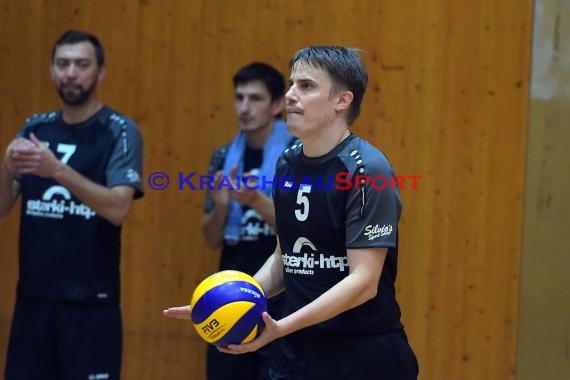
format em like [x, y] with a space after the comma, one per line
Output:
[77, 170]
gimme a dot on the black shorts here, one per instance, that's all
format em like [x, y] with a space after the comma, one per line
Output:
[346, 357]
[52, 340]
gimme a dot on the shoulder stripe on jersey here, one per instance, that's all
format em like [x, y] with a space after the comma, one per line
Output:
[41, 117]
[115, 118]
[360, 169]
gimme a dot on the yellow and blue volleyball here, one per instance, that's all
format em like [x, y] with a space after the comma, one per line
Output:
[227, 308]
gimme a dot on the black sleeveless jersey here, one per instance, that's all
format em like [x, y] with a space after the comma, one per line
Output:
[323, 208]
[67, 251]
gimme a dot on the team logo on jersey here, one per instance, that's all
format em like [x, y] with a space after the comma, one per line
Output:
[133, 176]
[252, 226]
[56, 203]
[302, 242]
[374, 232]
[305, 258]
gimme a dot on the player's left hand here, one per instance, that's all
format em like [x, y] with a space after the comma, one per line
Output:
[180, 312]
[269, 334]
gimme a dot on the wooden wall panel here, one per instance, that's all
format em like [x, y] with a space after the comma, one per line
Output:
[543, 347]
[447, 100]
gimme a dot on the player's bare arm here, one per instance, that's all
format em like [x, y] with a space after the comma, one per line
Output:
[112, 204]
[358, 287]
[9, 190]
[9, 186]
[270, 275]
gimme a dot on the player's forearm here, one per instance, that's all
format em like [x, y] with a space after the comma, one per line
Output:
[113, 204]
[270, 275]
[352, 291]
[264, 206]
[343, 296]
[8, 190]
[213, 226]
[365, 268]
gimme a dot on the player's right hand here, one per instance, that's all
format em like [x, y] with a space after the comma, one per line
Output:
[220, 197]
[16, 150]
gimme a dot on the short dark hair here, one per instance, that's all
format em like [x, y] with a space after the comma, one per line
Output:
[258, 71]
[344, 66]
[77, 36]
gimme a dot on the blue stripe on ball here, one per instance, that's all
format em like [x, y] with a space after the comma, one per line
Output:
[242, 328]
[223, 294]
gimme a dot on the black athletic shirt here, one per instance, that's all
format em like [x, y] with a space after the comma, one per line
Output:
[319, 217]
[67, 251]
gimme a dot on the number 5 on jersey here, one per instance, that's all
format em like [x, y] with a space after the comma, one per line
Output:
[302, 213]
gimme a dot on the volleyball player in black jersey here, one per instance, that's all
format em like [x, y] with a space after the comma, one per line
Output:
[337, 209]
[77, 170]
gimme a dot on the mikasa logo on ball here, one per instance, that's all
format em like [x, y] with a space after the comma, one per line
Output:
[249, 291]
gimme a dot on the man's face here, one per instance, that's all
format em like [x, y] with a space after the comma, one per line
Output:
[309, 104]
[254, 107]
[75, 72]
